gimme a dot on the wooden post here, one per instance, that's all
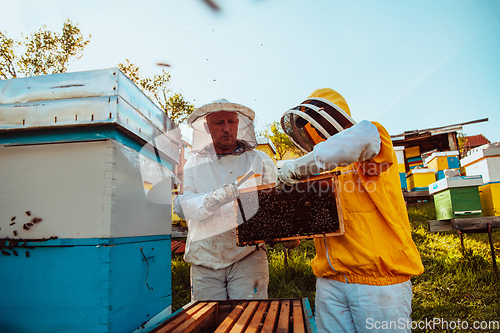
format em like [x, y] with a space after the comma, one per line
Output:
[461, 240]
[492, 248]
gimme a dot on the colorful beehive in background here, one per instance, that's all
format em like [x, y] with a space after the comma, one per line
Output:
[265, 145]
[484, 161]
[85, 204]
[418, 179]
[441, 161]
[457, 197]
[400, 154]
[413, 157]
[490, 199]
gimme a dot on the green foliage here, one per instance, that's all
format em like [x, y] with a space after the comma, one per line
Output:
[292, 278]
[157, 89]
[461, 138]
[281, 141]
[456, 284]
[45, 52]
[181, 288]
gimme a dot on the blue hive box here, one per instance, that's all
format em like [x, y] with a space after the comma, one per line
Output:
[85, 204]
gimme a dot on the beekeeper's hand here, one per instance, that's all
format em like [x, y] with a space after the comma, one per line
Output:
[291, 172]
[220, 197]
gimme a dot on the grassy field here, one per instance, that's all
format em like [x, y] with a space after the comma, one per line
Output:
[456, 284]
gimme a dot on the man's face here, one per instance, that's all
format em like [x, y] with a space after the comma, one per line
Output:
[223, 127]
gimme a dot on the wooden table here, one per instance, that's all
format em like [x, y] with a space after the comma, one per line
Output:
[414, 197]
[469, 225]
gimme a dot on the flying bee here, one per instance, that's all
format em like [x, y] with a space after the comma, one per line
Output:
[28, 212]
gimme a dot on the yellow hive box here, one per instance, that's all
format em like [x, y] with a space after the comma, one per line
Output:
[490, 199]
[412, 151]
[400, 154]
[420, 179]
[443, 160]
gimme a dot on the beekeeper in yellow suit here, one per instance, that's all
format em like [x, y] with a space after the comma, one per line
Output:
[364, 275]
[223, 151]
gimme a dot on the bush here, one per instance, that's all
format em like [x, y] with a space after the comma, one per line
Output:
[181, 287]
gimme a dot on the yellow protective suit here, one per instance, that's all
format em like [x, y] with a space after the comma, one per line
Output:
[377, 248]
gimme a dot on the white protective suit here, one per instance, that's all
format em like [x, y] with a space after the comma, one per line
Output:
[211, 239]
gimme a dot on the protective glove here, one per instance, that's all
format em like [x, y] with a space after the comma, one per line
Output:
[178, 207]
[220, 197]
[291, 172]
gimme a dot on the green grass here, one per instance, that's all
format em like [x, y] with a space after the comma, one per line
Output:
[455, 285]
[181, 287]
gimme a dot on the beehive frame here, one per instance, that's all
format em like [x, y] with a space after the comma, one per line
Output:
[242, 241]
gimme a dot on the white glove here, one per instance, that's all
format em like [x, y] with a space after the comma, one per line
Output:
[291, 172]
[178, 207]
[220, 197]
[358, 143]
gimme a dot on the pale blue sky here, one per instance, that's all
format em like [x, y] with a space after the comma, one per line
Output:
[406, 64]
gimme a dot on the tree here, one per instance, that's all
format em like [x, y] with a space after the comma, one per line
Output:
[281, 141]
[45, 52]
[157, 88]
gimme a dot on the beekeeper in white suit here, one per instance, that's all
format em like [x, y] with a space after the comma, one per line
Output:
[223, 152]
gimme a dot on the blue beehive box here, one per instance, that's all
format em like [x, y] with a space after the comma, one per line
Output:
[85, 243]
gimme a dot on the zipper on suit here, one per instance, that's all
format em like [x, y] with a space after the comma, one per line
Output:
[330, 263]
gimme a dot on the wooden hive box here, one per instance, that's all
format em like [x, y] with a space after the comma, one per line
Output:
[457, 197]
[484, 161]
[308, 209]
[273, 315]
[419, 179]
[490, 199]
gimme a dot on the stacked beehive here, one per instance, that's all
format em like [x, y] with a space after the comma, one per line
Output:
[441, 161]
[485, 161]
[419, 179]
[400, 154]
[413, 157]
[457, 197]
[85, 236]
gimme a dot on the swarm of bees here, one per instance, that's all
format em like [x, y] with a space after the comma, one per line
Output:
[14, 243]
[305, 210]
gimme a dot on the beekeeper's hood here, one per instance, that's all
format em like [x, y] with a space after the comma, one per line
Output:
[202, 140]
[323, 114]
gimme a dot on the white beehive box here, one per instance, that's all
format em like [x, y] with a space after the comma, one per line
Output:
[85, 203]
[79, 190]
[484, 161]
[454, 182]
